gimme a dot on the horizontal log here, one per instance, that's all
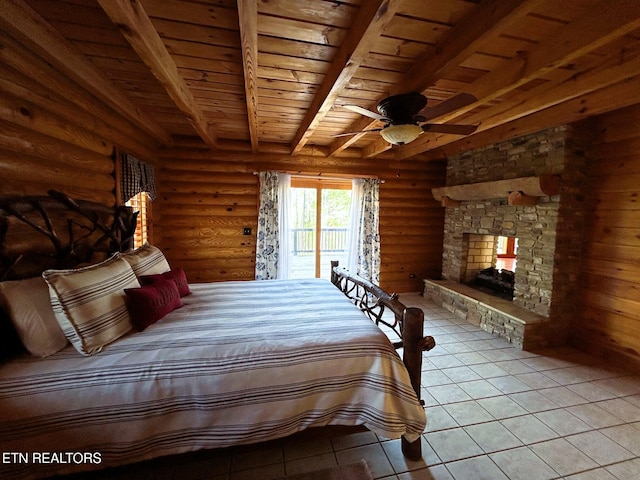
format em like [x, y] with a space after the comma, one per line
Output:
[217, 241]
[17, 166]
[544, 185]
[180, 222]
[18, 139]
[209, 188]
[222, 275]
[613, 304]
[17, 187]
[28, 115]
[209, 210]
[209, 253]
[209, 199]
[609, 286]
[610, 269]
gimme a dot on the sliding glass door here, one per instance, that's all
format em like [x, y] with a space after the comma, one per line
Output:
[319, 221]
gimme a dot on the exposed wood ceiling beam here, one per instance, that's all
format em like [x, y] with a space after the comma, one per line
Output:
[546, 96]
[616, 96]
[135, 25]
[24, 23]
[608, 20]
[366, 27]
[486, 21]
[248, 15]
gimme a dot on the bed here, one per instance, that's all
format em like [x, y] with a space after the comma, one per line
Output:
[235, 363]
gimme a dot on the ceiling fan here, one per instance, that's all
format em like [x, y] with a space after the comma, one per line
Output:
[404, 116]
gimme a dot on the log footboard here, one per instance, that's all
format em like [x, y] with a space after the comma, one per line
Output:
[408, 325]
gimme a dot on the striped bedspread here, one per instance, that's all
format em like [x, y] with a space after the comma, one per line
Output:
[240, 362]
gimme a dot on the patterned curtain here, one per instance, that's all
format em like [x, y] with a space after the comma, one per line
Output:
[137, 176]
[368, 263]
[270, 227]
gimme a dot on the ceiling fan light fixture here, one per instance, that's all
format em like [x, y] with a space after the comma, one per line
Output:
[401, 134]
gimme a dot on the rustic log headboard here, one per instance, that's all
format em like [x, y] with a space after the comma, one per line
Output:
[56, 231]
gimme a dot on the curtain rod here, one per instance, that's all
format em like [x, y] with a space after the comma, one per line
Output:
[322, 177]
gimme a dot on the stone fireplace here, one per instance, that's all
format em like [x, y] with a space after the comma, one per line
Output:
[549, 230]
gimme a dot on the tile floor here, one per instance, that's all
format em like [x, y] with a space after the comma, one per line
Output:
[494, 412]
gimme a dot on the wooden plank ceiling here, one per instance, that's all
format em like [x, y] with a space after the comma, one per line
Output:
[276, 74]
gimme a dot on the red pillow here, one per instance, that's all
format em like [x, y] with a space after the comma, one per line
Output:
[177, 275]
[150, 303]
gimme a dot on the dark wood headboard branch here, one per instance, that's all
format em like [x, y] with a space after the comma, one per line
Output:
[68, 232]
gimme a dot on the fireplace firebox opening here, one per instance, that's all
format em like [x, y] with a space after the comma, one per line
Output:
[491, 263]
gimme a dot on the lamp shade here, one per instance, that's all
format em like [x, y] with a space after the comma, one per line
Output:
[401, 134]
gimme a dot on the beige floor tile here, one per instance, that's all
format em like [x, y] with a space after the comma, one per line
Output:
[596, 474]
[461, 374]
[476, 468]
[529, 429]
[454, 444]
[449, 394]
[468, 413]
[514, 367]
[522, 464]
[303, 448]
[488, 370]
[470, 358]
[626, 436]
[501, 407]
[563, 457]
[437, 472]
[563, 422]
[480, 389]
[621, 409]
[310, 464]
[439, 419]
[493, 437]
[595, 416]
[509, 384]
[600, 447]
[533, 401]
[565, 376]
[629, 470]
[562, 396]
[359, 439]
[537, 380]
[374, 456]
[591, 391]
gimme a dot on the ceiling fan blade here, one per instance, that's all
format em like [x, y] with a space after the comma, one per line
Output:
[449, 128]
[365, 112]
[355, 133]
[450, 105]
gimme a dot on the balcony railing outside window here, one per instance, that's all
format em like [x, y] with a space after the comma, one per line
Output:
[331, 240]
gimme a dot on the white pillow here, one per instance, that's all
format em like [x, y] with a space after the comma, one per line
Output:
[147, 260]
[28, 304]
[89, 303]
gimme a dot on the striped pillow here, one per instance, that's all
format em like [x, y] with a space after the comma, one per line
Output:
[89, 303]
[147, 260]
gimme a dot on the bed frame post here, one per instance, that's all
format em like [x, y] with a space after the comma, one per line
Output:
[409, 325]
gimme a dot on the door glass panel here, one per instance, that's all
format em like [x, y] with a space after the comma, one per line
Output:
[335, 211]
[303, 232]
[319, 222]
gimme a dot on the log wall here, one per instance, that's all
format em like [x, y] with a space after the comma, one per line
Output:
[608, 315]
[54, 134]
[208, 198]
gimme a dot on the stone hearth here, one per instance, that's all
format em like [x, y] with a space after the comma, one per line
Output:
[548, 233]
